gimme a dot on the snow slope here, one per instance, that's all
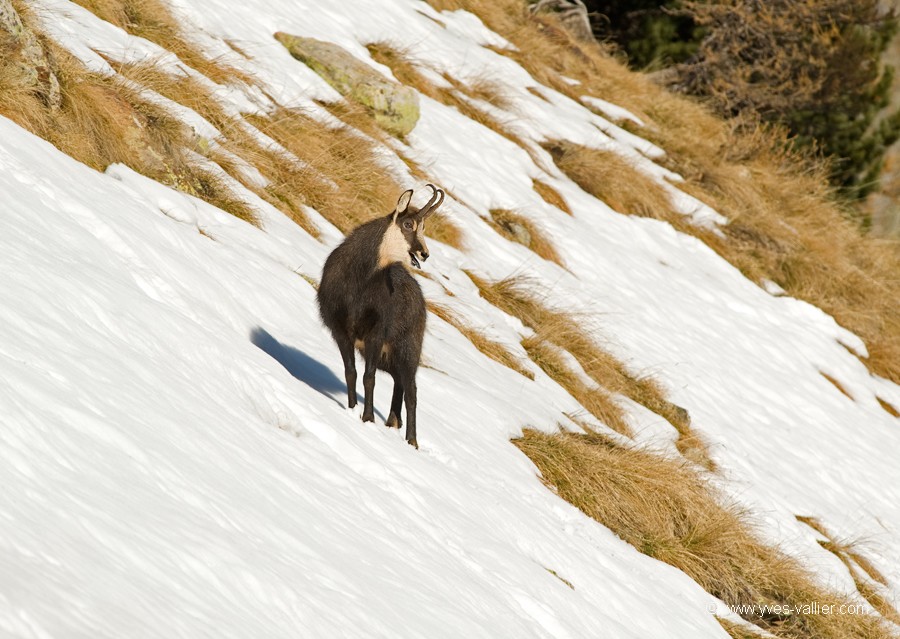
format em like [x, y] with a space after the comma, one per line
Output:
[176, 457]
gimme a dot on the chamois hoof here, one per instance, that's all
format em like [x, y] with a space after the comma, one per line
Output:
[368, 418]
[413, 443]
[393, 421]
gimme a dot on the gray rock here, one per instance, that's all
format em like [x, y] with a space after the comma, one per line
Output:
[519, 232]
[572, 13]
[395, 107]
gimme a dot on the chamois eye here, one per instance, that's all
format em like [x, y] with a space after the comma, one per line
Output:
[407, 225]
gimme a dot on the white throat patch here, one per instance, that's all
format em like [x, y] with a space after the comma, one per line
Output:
[393, 248]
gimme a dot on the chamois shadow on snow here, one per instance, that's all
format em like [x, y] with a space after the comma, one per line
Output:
[304, 368]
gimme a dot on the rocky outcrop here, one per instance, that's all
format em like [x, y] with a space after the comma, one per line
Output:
[883, 205]
[572, 13]
[394, 106]
[22, 49]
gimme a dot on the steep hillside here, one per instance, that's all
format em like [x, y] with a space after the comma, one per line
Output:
[659, 394]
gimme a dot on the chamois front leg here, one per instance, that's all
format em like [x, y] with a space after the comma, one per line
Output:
[372, 354]
[394, 420]
[349, 356]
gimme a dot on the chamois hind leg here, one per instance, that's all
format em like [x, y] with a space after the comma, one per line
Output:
[372, 354]
[345, 344]
[394, 420]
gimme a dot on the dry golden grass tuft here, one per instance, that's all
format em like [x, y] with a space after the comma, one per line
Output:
[889, 408]
[442, 229]
[356, 117]
[785, 225]
[338, 174]
[154, 21]
[482, 88]
[184, 89]
[551, 196]
[837, 385]
[520, 297]
[565, 581]
[312, 281]
[737, 631]
[285, 175]
[333, 169]
[596, 400]
[341, 176]
[234, 46]
[517, 228]
[612, 178]
[102, 121]
[862, 570]
[492, 349]
[667, 511]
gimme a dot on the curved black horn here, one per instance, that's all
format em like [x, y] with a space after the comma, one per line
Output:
[432, 205]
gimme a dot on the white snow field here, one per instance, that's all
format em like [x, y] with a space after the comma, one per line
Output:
[176, 458]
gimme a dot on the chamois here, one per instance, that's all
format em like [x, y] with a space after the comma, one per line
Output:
[369, 301]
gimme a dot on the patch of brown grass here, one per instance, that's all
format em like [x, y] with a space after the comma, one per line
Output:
[442, 229]
[517, 228]
[310, 280]
[356, 117]
[154, 21]
[102, 121]
[338, 172]
[178, 87]
[482, 88]
[596, 400]
[865, 574]
[667, 511]
[888, 407]
[786, 225]
[837, 385]
[536, 93]
[234, 46]
[551, 196]
[341, 176]
[286, 176]
[565, 581]
[614, 179]
[520, 297]
[492, 349]
[737, 631]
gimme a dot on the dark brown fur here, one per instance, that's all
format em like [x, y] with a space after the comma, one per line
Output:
[378, 308]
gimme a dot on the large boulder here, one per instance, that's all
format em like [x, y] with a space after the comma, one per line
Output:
[34, 65]
[395, 107]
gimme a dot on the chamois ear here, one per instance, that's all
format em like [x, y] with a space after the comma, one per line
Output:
[403, 203]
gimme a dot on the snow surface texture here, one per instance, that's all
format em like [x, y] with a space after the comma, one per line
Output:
[176, 457]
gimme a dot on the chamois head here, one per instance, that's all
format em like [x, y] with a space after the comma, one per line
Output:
[404, 240]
